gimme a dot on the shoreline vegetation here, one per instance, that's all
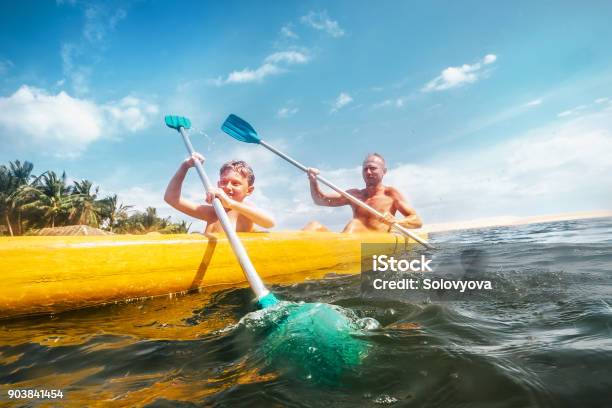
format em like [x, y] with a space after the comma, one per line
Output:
[29, 203]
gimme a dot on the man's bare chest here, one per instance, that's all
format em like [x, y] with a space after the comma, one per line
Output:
[380, 202]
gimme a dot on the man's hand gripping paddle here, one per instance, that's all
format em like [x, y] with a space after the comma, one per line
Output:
[241, 130]
[264, 297]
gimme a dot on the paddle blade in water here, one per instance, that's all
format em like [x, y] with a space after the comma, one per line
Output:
[175, 122]
[316, 342]
[268, 300]
[240, 129]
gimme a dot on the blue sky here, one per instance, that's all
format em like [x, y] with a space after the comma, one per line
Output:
[481, 109]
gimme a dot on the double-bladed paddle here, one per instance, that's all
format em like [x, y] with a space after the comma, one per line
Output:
[265, 298]
[241, 130]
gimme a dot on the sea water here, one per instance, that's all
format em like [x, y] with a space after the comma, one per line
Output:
[542, 337]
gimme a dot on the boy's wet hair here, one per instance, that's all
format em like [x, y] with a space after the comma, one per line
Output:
[241, 167]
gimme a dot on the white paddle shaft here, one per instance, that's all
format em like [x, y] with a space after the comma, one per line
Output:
[243, 258]
[352, 199]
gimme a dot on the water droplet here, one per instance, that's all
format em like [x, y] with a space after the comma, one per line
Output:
[385, 399]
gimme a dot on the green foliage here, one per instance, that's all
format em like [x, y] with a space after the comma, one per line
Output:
[28, 203]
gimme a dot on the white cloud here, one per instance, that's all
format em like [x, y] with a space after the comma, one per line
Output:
[321, 21]
[287, 31]
[453, 77]
[601, 100]
[273, 64]
[397, 103]
[286, 112]
[341, 101]
[248, 75]
[130, 113]
[288, 57]
[533, 103]
[572, 111]
[489, 59]
[540, 171]
[99, 21]
[64, 125]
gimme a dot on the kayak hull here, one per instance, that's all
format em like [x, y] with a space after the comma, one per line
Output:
[44, 275]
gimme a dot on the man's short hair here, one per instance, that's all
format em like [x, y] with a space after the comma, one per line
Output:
[241, 167]
[374, 154]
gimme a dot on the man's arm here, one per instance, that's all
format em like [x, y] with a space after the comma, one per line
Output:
[321, 198]
[253, 213]
[411, 220]
[173, 194]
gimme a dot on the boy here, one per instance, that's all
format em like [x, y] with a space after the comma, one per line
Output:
[235, 183]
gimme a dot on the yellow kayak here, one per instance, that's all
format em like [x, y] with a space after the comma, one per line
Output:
[44, 275]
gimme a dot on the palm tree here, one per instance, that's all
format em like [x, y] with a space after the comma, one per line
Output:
[22, 173]
[49, 196]
[86, 210]
[12, 180]
[176, 228]
[150, 219]
[114, 212]
[182, 227]
[7, 183]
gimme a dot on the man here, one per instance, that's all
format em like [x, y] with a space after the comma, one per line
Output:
[236, 182]
[387, 200]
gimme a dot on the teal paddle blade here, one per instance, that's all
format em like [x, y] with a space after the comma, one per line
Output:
[175, 122]
[268, 300]
[316, 342]
[240, 129]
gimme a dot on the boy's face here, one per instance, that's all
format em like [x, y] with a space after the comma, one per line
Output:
[235, 185]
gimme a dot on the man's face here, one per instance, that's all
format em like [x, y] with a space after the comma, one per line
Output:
[235, 185]
[373, 171]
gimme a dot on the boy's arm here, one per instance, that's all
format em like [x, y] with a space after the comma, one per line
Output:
[254, 214]
[173, 195]
[411, 220]
[321, 198]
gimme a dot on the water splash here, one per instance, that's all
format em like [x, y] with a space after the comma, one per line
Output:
[201, 133]
[316, 342]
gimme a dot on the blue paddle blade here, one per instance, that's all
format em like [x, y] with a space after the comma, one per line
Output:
[175, 122]
[240, 129]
